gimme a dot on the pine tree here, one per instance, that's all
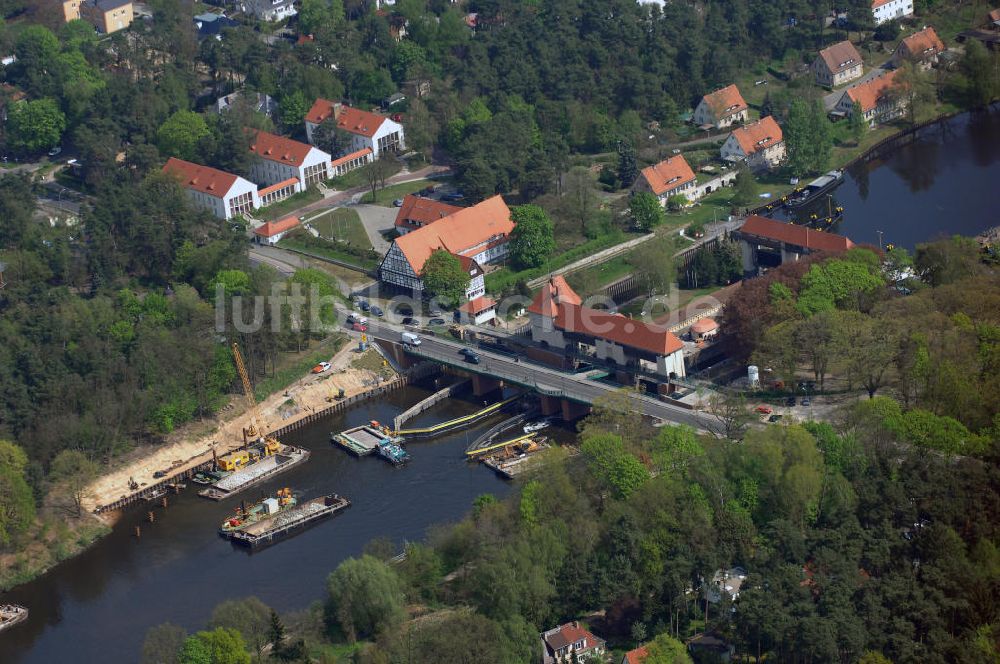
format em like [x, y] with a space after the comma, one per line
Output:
[628, 168]
[276, 634]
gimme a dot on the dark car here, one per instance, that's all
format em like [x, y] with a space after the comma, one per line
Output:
[453, 197]
[410, 320]
[436, 321]
[774, 418]
[467, 352]
[364, 305]
[377, 311]
[806, 401]
[790, 401]
[472, 358]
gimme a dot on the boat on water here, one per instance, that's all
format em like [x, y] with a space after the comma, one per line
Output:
[532, 427]
[513, 459]
[365, 439]
[393, 453]
[208, 477]
[812, 191]
[11, 614]
[272, 528]
[262, 509]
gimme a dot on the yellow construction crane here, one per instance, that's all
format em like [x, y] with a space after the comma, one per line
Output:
[255, 431]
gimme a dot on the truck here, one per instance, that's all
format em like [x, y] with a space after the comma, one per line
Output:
[410, 339]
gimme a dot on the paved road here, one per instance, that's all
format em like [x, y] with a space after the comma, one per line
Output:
[377, 219]
[284, 262]
[830, 100]
[538, 377]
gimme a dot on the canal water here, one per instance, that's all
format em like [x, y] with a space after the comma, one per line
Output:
[98, 606]
[943, 184]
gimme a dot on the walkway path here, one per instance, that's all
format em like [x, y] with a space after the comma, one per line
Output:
[830, 100]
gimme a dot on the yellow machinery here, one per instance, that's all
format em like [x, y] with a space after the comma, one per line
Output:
[255, 431]
[234, 460]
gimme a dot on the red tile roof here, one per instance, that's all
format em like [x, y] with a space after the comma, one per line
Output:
[921, 44]
[417, 211]
[878, 3]
[725, 102]
[460, 233]
[868, 93]
[356, 121]
[555, 291]
[280, 149]
[801, 236]
[272, 228]
[571, 633]
[758, 135]
[477, 306]
[703, 325]
[321, 110]
[840, 56]
[348, 157]
[636, 656]
[277, 186]
[668, 174]
[994, 15]
[205, 179]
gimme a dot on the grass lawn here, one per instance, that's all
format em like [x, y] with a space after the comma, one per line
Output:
[590, 280]
[327, 250]
[359, 176]
[293, 366]
[371, 360]
[290, 204]
[343, 225]
[386, 196]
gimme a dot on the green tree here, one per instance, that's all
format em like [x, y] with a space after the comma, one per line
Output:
[327, 137]
[220, 646]
[946, 261]
[979, 67]
[364, 598]
[579, 198]
[34, 126]
[317, 15]
[627, 476]
[646, 211]
[665, 649]
[72, 472]
[533, 239]
[628, 167]
[276, 631]
[808, 137]
[914, 87]
[17, 503]
[249, 616]
[163, 644]
[653, 266]
[856, 124]
[292, 109]
[677, 202]
[36, 49]
[444, 277]
[182, 134]
[745, 189]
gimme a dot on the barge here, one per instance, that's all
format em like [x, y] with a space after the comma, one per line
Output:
[256, 472]
[812, 191]
[244, 517]
[366, 439]
[269, 530]
[12, 614]
[393, 453]
[516, 459]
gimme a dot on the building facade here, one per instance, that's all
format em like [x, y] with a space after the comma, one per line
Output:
[570, 643]
[879, 99]
[760, 145]
[888, 10]
[837, 65]
[271, 232]
[223, 194]
[71, 10]
[722, 108]
[269, 10]
[108, 15]
[277, 159]
[670, 177]
[921, 48]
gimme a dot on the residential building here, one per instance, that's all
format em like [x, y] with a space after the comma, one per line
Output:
[225, 195]
[279, 159]
[478, 311]
[108, 15]
[993, 19]
[760, 145]
[417, 212]
[559, 645]
[367, 130]
[670, 177]
[888, 10]
[71, 10]
[837, 65]
[269, 10]
[711, 647]
[877, 97]
[725, 583]
[270, 232]
[560, 321]
[476, 235]
[922, 48]
[637, 656]
[210, 24]
[722, 108]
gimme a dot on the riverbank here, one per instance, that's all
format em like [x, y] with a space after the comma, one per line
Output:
[53, 540]
[299, 400]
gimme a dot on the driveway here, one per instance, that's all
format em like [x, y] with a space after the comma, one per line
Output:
[377, 219]
[830, 100]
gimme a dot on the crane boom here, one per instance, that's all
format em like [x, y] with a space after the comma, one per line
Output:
[255, 430]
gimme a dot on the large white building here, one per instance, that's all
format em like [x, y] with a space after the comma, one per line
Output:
[476, 236]
[224, 194]
[269, 10]
[368, 130]
[277, 159]
[887, 10]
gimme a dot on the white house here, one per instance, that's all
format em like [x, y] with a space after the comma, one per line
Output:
[268, 10]
[278, 159]
[670, 177]
[722, 108]
[478, 311]
[838, 64]
[476, 236]
[760, 145]
[887, 10]
[270, 232]
[570, 642]
[367, 130]
[224, 194]
[878, 100]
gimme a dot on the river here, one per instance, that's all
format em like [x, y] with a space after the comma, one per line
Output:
[98, 606]
[942, 184]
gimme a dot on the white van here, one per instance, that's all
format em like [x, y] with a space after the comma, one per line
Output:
[410, 338]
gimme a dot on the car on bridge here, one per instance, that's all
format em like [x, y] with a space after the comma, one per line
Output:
[471, 356]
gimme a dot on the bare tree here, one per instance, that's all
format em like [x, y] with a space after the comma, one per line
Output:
[732, 414]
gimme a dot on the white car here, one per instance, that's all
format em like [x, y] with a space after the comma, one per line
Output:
[321, 367]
